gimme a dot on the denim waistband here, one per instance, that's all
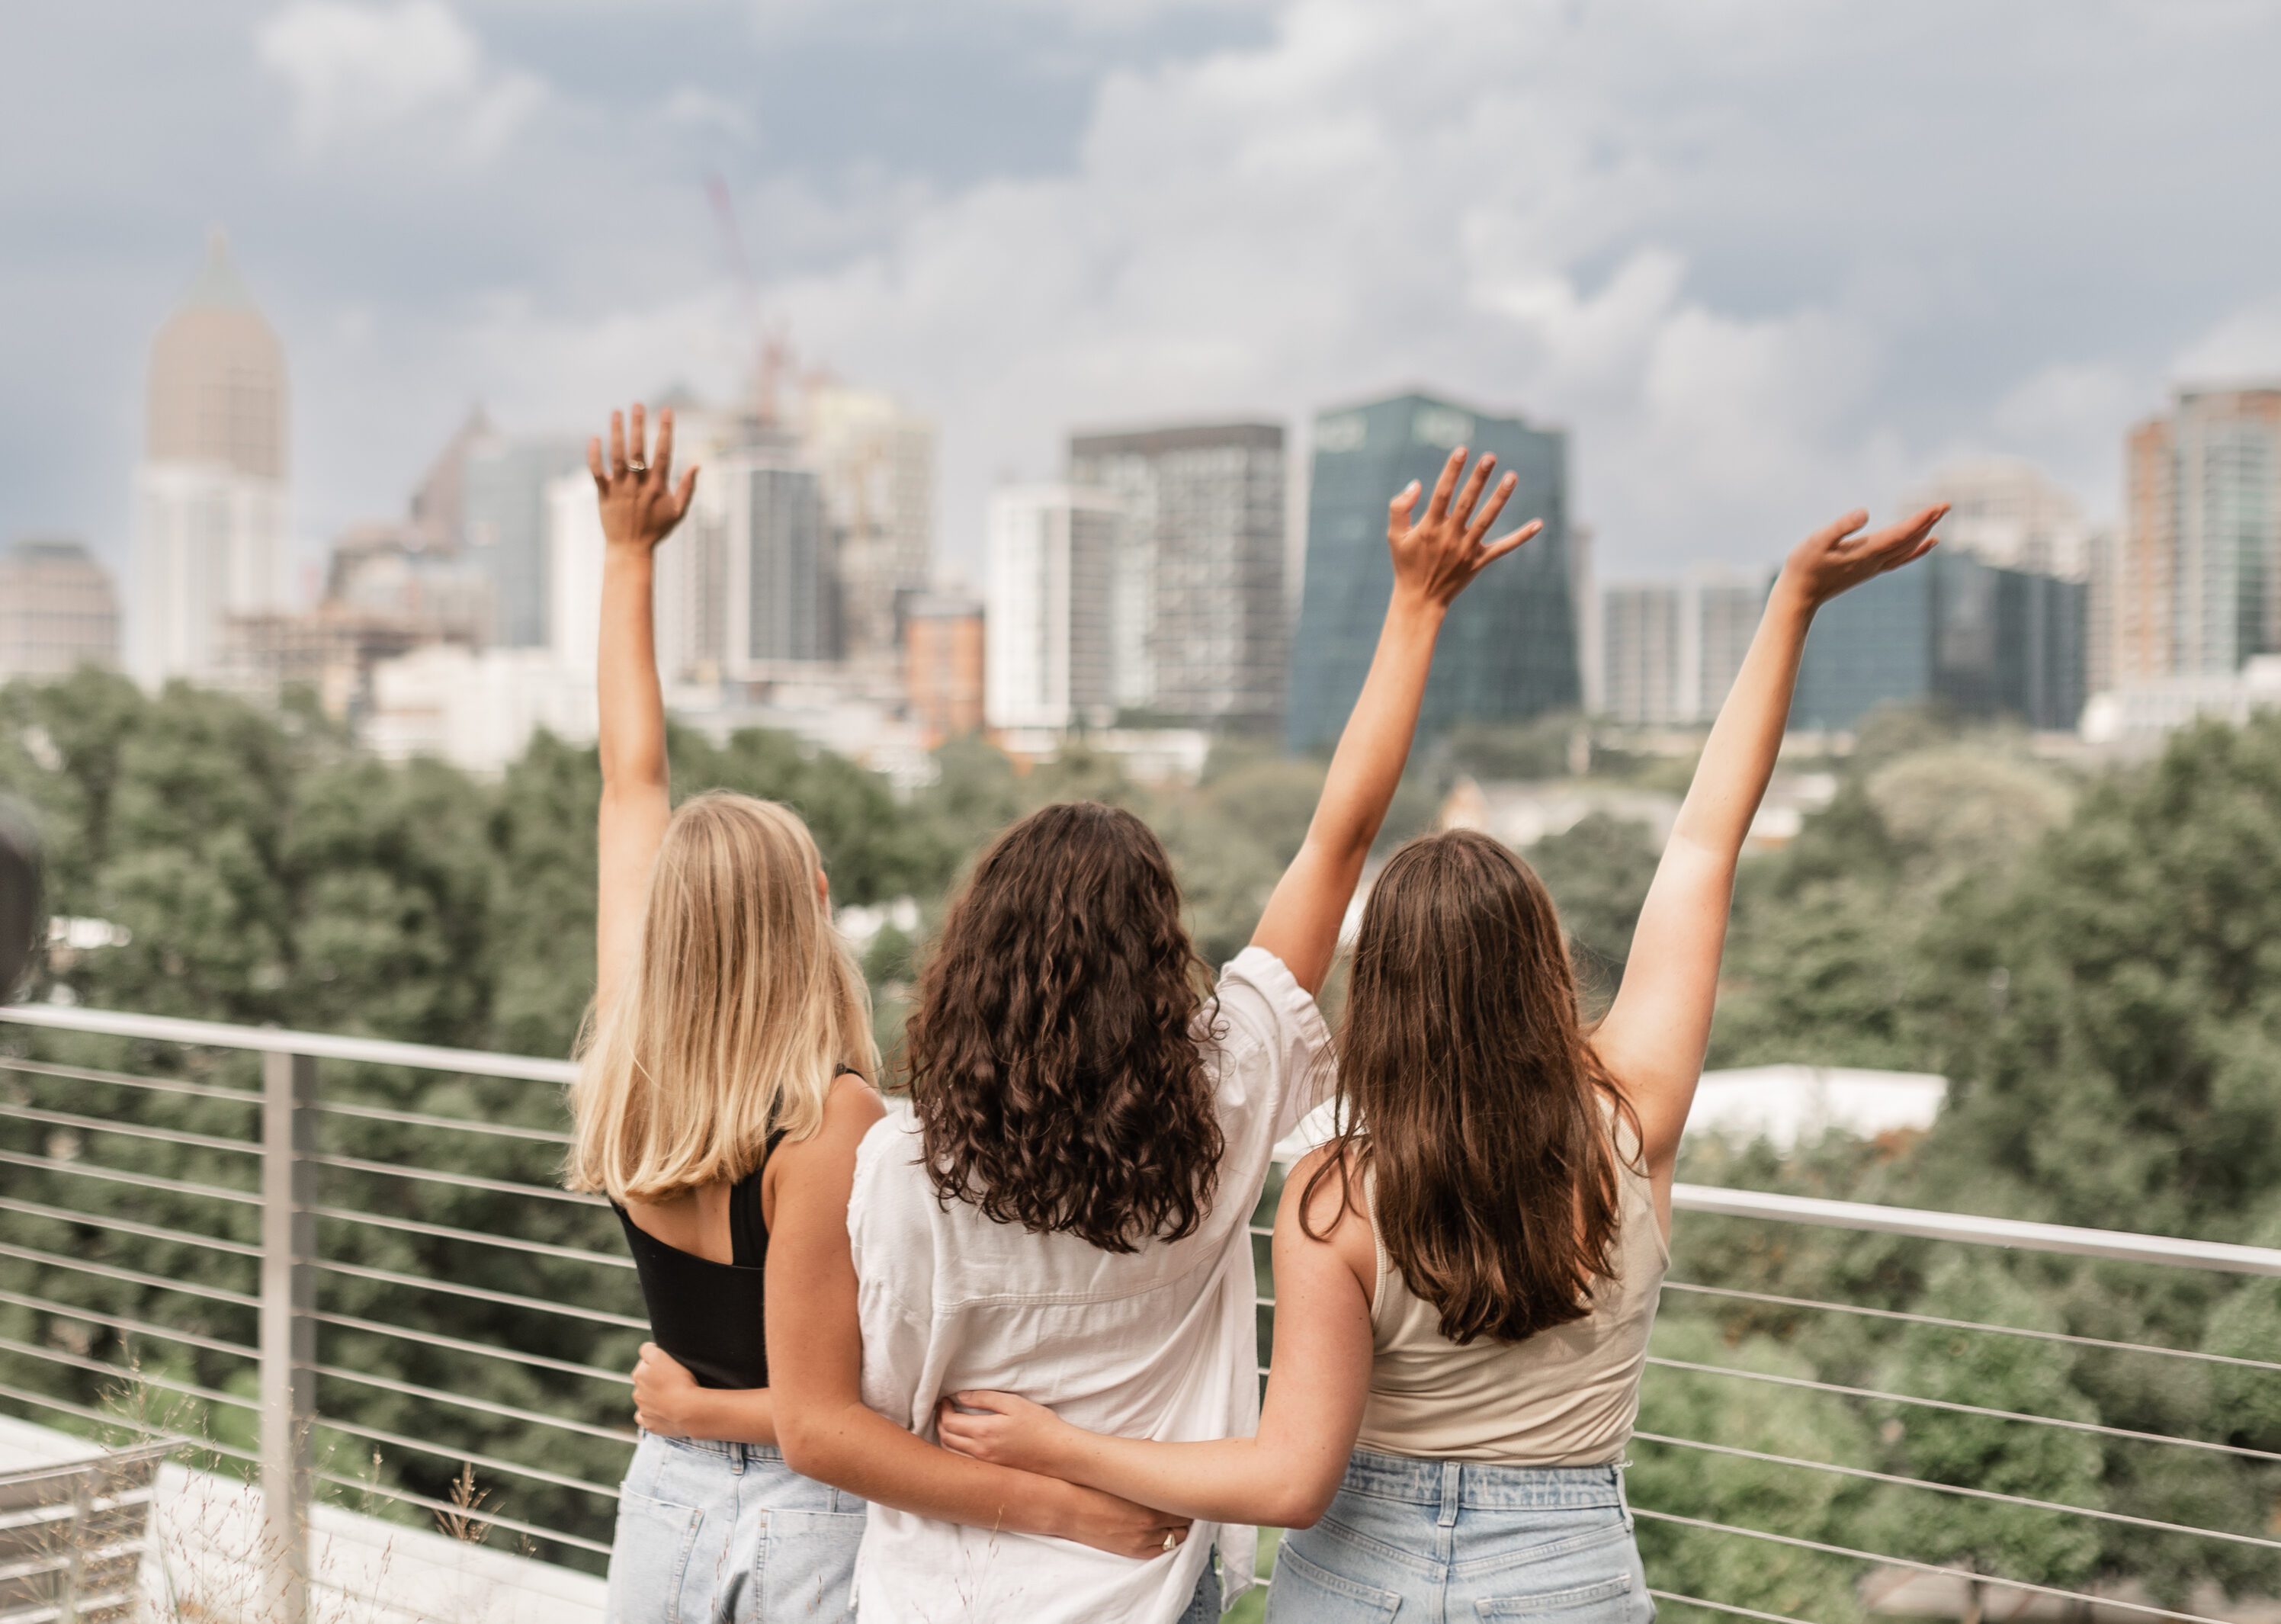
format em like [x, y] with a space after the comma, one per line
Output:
[1417, 1481]
[738, 1454]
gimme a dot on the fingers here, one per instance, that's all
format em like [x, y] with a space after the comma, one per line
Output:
[1470, 497]
[1439, 508]
[617, 443]
[682, 496]
[663, 459]
[1497, 500]
[1829, 535]
[1504, 544]
[637, 437]
[981, 1399]
[1397, 511]
[594, 465]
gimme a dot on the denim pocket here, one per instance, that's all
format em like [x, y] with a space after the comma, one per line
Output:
[808, 1563]
[649, 1559]
[1304, 1593]
[1610, 1599]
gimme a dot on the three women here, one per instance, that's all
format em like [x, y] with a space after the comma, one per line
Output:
[1465, 1277]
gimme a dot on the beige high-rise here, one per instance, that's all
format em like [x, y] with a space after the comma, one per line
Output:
[213, 535]
[218, 378]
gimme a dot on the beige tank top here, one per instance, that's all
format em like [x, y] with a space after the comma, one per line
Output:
[1563, 1397]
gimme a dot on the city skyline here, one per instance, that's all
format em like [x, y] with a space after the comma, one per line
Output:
[990, 226]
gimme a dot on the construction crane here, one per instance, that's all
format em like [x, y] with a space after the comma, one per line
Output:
[771, 349]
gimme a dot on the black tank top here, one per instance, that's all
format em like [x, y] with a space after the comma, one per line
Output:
[711, 1315]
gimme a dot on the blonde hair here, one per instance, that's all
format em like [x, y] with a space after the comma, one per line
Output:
[732, 1023]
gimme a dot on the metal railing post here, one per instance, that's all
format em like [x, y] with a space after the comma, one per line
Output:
[288, 1326]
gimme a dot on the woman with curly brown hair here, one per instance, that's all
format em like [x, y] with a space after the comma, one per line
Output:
[1067, 1211]
[1465, 1276]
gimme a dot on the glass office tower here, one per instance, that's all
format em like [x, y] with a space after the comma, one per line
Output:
[1509, 651]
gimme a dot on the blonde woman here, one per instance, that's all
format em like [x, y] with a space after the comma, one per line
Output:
[723, 1069]
[720, 1100]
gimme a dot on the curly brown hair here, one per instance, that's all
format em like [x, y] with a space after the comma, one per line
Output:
[1470, 1095]
[1052, 1056]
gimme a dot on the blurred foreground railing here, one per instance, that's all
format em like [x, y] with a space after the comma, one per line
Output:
[344, 1267]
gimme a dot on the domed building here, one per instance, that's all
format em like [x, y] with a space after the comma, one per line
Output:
[211, 532]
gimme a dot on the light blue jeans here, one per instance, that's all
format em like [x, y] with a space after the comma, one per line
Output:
[727, 1534]
[1440, 1541]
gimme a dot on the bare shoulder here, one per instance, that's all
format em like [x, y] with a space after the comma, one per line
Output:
[849, 1109]
[1323, 1206]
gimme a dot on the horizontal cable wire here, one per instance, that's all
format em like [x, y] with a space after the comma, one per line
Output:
[437, 1339]
[158, 1434]
[445, 1232]
[1868, 1475]
[486, 1406]
[145, 1181]
[124, 1080]
[212, 1344]
[149, 1232]
[463, 1181]
[132, 1130]
[1972, 1325]
[1675, 1598]
[189, 1390]
[480, 1293]
[490, 1519]
[131, 1277]
[1965, 1574]
[422, 1119]
[2240, 1450]
[381, 1434]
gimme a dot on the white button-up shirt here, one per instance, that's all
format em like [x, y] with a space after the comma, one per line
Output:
[1162, 1342]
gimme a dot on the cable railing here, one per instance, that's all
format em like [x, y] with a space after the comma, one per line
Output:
[345, 1269]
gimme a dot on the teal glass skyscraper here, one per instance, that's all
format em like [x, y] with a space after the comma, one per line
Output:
[1508, 649]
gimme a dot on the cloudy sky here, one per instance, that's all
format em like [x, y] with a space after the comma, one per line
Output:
[1765, 259]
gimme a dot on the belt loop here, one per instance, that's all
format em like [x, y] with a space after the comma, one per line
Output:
[1452, 1478]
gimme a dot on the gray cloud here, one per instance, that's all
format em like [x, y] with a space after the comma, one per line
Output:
[1766, 257]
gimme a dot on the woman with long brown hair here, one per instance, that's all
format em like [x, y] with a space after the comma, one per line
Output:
[1466, 1274]
[1067, 1211]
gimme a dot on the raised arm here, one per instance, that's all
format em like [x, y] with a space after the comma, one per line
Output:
[641, 506]
[1655, 1035]
[816, 1357]
[1434, 561]
[1287, 1475]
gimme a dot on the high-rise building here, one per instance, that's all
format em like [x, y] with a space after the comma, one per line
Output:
[1508, 648]
[211, 534]
[779, 577]
[2226, 526]
[1953, 630]
[440, 506]
[1200, 630]
[1047, 664]
[942, 664]
[2196, 575]
[504, 508]
[1640, 652]
[2008, 512]
[876, 463]
[1672, 649]
[57, 610]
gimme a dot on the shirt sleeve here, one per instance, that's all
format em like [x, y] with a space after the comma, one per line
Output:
[1275, 1049]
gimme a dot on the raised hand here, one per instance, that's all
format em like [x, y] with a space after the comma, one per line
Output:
[1834, 559]
[1436, 557]
[640, 504]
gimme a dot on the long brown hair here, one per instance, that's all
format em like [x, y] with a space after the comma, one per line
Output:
[1469, 1093]
[1052, 1056]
